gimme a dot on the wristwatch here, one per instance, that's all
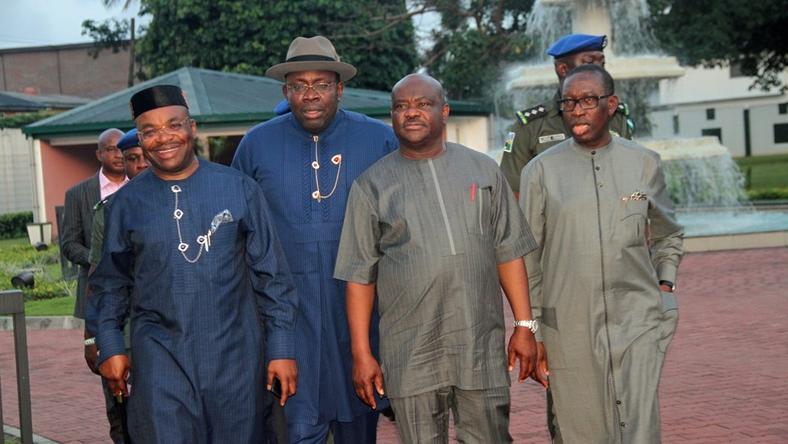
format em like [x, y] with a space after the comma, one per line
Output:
[669, 284]
[90, 341]
[531, 324]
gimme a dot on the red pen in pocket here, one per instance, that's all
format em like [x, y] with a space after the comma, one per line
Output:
[473, 191]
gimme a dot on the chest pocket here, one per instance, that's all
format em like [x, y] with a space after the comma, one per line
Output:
[634, 217]
[478, 209]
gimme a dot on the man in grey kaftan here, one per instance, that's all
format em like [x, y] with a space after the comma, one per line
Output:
[432, 227]
[607, 238]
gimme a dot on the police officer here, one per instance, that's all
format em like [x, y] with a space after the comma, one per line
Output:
[541, 126]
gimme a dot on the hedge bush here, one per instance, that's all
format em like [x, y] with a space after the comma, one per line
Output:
[14, 225]
[768, 194]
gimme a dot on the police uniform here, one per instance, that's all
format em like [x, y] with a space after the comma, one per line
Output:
[540, 127]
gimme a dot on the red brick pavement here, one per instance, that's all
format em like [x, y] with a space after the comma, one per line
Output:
[725, 377]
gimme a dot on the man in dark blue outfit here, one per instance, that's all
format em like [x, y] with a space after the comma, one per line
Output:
[305, 162]
[213, 303]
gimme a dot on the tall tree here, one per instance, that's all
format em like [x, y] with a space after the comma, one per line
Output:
[475, 38]
[248, 36]
[750, 34]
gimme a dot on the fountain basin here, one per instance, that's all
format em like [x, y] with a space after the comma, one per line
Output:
[733, 229]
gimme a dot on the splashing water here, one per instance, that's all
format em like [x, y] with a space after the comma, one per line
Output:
[700, 173]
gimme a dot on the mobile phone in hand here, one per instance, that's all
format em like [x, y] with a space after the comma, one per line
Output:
[276, 388]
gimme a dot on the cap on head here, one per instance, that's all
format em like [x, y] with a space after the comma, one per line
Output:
[574, 43]
[311, 54]
[154, 97]
[129, 140]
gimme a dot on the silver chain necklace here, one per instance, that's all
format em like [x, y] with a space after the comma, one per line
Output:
[205, 239]
[336, 159]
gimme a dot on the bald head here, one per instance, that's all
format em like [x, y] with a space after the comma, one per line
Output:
[109, 155]
[422, 79]
[419, 113]
[111, 135]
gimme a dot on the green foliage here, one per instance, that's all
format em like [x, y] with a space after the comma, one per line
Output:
[768, 194]
[248, 36]
[16, 257]
[110, 34]
[19, 120]
[13, 225]
[475, 39]
[720, 32]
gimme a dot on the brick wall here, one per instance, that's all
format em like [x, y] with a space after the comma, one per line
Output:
[64, 69]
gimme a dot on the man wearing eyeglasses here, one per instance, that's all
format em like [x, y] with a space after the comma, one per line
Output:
[601, 286]
[78, 209]
[191, 257]
[305, 161]
[540, 127]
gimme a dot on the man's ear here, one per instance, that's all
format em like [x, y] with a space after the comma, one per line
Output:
[340, 89]
[612, 105]
[561, 69]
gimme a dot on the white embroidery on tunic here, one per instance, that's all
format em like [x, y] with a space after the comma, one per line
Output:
[203, 240]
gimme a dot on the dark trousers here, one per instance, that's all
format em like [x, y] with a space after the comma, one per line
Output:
[275, 421]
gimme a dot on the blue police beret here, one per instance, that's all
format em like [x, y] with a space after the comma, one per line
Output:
[282, 108]
[129, 140]
[573, 43]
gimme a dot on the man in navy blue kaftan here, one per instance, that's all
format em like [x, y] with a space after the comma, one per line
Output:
[306, 162]
[213, 306]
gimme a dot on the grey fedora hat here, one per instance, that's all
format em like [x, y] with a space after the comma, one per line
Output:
[311, 54]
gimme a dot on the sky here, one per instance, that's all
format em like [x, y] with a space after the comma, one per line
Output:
[52, 22]
[57, 22]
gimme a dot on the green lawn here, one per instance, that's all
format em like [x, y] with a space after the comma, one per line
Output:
[5, 243]
[765, 171]
[50, 307]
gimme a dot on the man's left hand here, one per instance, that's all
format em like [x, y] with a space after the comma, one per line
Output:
[522, 346]
[286, 372]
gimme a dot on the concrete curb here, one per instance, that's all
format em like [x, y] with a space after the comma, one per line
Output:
[44, 323]
[15, 432]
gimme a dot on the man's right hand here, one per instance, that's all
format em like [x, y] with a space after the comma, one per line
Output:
[116, 370]
[367, 378]
[541, 372]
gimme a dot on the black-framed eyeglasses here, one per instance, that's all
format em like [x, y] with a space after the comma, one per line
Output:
[588, 102]
[301, 88]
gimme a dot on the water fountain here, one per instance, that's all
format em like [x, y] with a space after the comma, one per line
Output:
[701, 176]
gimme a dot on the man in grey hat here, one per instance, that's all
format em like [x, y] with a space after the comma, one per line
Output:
[539, 127]
[305, 161]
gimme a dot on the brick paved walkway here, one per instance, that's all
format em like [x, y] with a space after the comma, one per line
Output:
[725, 378]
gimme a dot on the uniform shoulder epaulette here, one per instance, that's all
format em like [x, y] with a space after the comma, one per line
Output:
[623, 108]
[101, 203]
[531, 113]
